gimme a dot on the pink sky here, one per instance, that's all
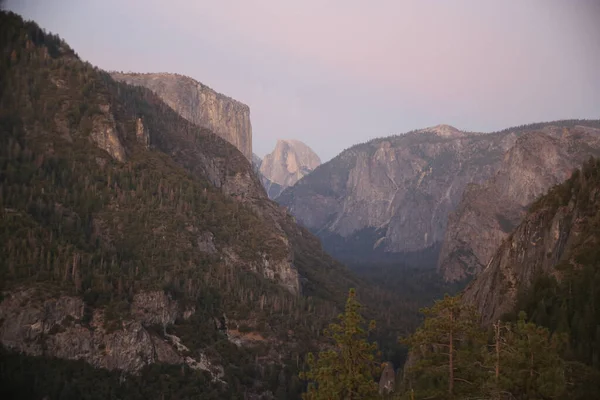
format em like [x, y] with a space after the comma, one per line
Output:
[334, 73]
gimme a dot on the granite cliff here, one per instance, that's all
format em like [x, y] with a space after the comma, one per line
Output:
[286, 164]
[392, 197]
[558, 239]
[200, 105]
[488, 213]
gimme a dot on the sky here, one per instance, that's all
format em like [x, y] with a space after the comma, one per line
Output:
[333, 73]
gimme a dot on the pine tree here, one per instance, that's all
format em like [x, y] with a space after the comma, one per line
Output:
[446, 352]
[528, 361]
[348, 370]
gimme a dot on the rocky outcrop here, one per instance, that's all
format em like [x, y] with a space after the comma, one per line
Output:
[387, 382]
[141, 133]
[392, 197]
[489, 212]
[104, 133]
[282, 271]
[38, 322]
[200, 105]
[561, 228]
[286, 164]
[154, 308]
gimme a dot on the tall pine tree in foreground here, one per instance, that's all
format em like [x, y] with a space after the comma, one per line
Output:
[348, 370]
[451, 359]
[527, 363]
[445, 352]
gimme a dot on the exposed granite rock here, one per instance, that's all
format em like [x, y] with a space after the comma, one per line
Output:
[287, 163]
[488, 213]
[282, 271]
[105, 135]
[549, 235]
[200, 105]
[154, 308]
[393, 196]
[206, 243]
[38, 322]
[387, 382]
[141, 133]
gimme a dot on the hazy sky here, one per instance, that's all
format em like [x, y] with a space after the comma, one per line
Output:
[333, 73]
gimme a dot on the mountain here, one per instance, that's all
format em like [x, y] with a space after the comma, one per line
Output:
[200, 105]
[549, 266]
[139, 247]
[390, 198]
[488, 213]
[286, 164]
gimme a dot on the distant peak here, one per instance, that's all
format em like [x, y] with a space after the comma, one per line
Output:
[291, 141]
[294, 144]
[444, 131]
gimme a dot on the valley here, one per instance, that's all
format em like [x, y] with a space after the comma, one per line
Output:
[148, 252]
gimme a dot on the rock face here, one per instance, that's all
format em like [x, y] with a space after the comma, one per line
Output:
[200, 105]
[37, 323]
[105, 135]
[561, 228]
[387, 382]
[392, 197]
[489, 212]
[288, 163]
[273, 189]
[141, 133]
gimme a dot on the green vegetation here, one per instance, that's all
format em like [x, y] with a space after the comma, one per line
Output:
[451, 358]
[446, 348]
[553, 355]
[78, 222]
[348, 369]
[571, 303]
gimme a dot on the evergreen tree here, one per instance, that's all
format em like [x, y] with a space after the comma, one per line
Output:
[347, 371]
[446, 352]
[527, 362]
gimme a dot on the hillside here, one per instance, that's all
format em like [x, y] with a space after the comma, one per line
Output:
[487, 213]
[140, 243]
[550, 265]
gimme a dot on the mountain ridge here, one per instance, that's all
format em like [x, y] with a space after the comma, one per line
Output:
[390, 198]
